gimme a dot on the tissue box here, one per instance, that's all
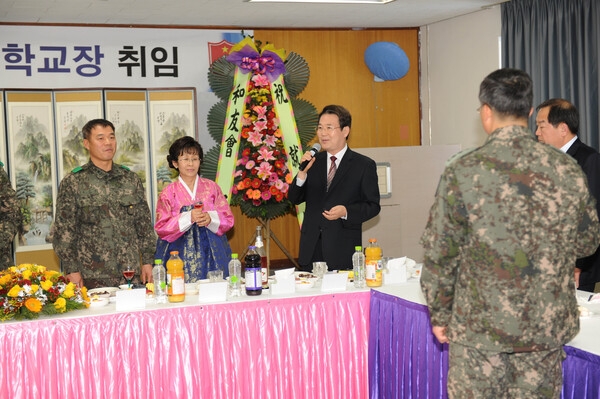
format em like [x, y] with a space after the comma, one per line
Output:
[131, 299]
[334, 282]
[397, 270]
[212, 292]
[285, 282]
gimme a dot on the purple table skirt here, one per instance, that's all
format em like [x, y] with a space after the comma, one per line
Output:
[406, 361]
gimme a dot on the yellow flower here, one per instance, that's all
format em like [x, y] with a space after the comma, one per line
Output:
[46, 284]
[34, 305]
[34, 288]
[40, 269]
[5, 279]
[12, 269]
[14, 291]
[26, 274]
[49, 274]
[69, 290]
[61, 304]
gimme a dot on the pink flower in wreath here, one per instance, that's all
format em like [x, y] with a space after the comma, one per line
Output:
[260, 80]
[265, 154]
[255, 138]
[266, 195]
[260, 125]
[270, 140]
[264, 170]
[250, 164]
[261, 111]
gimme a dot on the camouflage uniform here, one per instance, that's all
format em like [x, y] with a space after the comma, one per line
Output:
[10, 219]
[508, 221]
[103, 223]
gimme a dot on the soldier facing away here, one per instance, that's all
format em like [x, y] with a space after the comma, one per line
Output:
[508, 221]
[103, 221]
[10, 219]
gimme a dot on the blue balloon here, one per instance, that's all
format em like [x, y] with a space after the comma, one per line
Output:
[386, 60]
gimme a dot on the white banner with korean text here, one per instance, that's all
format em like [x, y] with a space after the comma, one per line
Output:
[66, 57]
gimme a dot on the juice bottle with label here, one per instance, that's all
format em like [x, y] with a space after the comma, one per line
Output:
[175, 278]
[373, 264]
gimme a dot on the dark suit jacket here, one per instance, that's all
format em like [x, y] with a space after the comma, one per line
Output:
[354, 186]
[589, 160]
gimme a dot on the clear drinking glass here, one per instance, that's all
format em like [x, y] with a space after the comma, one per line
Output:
[319, 269]
[215, 275]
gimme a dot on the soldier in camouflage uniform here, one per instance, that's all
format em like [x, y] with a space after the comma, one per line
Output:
[103, 221]
[508, 221]
[10, 219]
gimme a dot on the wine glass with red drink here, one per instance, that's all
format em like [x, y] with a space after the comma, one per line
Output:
[129, 273]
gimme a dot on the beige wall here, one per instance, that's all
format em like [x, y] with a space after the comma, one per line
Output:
[456, 55]
[415, 172]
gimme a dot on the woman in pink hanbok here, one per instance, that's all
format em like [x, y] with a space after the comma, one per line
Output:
[193, 215]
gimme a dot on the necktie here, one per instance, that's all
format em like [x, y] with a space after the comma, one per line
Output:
[331, 172]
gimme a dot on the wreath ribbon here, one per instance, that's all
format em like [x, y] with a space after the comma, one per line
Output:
[232, 131]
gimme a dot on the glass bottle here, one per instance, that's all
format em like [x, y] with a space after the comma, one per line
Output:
[260, 249]
[175, 278]
[252, 272]
[235, 276]
[159, 275]
[373, 264]
[358, 263]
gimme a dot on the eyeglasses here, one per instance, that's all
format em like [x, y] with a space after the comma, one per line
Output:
[188, 160]
[328, 129]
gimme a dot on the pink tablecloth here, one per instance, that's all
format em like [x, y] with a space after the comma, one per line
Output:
[305, 347]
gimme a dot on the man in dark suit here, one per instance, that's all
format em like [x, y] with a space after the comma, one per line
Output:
[558, 124]
[335, 212]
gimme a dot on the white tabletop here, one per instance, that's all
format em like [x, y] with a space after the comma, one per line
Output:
[586, 340]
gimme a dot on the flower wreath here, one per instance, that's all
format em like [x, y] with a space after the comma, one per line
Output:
[256, 123]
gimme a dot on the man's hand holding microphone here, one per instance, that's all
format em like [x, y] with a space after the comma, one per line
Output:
[307, 160]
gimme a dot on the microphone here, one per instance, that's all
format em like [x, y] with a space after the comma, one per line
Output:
[314, 150]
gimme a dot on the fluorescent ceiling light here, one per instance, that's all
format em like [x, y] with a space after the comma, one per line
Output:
[323, 1]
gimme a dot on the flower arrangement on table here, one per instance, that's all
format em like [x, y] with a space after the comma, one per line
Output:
[28, 290]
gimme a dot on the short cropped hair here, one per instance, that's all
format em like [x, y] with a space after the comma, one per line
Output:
[508, 91]
[87, 128]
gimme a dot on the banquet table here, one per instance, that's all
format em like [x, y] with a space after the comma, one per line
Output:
[352, 344]
[309, 345]
[406, 360]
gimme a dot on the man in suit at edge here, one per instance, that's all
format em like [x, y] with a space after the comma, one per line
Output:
[334, 215]
[558, 124]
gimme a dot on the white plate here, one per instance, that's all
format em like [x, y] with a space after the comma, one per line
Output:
[111, 291]
[305, 284]
[304, 275]
[98, 302]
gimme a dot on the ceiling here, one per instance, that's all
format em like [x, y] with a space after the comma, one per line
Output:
[237, 13]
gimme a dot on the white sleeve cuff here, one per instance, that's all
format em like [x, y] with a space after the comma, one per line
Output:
[185, 221]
